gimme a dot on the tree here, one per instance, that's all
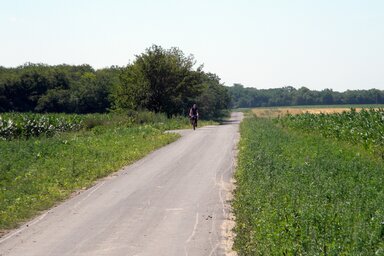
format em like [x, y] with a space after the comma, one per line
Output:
[159, 80]
[287, 96]
[89, 94]
[214, 97]
[327, 96]
[55, 100]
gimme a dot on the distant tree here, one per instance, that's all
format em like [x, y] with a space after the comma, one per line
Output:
[302, 96]
[159, 80]
[55, 100]
[240, 97]
[286, 96]
[327, 96]
[89, 94]
[214, 97]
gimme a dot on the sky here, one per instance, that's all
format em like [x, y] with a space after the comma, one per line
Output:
[336, 44]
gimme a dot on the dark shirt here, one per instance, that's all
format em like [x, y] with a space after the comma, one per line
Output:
[194, 111]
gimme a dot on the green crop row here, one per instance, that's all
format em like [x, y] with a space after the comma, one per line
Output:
[303, 194]
[365, 127]
[26, 125]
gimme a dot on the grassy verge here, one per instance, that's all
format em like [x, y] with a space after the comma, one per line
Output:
[39, 171]
[36, 173]
[301, 194]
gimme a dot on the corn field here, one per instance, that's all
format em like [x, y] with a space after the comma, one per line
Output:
[26, 125]
[365, 127]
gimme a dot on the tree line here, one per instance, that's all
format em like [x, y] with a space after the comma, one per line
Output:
[245, 97]
[159, 80]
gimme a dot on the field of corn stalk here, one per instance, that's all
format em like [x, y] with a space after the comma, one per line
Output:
[365, 127]
[26, 125]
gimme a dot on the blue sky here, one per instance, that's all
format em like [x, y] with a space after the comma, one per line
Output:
[319, 44]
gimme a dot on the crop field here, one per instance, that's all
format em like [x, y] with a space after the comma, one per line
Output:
[17, 125]
[45, 158]
[27, 125]
[297, 110]
[365, 127]
[303, 191]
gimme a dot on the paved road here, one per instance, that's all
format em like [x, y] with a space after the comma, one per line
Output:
[172, 202]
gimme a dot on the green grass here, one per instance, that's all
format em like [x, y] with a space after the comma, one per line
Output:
[37, 172]
[302, 194]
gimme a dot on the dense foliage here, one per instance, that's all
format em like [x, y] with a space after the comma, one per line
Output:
[165, 81]
[289, 96]
[62, 88]
[365, 127]
[159, 80]
[303, 194]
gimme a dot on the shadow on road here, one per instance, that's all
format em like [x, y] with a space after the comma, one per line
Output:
[226, 122]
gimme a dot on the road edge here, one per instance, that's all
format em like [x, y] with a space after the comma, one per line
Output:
[227, 227]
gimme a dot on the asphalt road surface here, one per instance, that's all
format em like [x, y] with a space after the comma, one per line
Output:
[172, 202]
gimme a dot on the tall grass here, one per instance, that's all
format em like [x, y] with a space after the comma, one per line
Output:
[301, 194]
